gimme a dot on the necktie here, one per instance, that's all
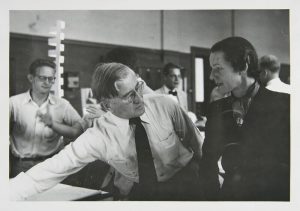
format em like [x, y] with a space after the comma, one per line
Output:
[173, 92]
[147, 174]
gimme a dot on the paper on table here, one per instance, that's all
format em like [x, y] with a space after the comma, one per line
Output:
[62, 192]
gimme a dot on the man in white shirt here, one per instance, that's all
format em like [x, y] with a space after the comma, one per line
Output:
[150, 142]
[39, 119]
[172, 80]
[269, 68]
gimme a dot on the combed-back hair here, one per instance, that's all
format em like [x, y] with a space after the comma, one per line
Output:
[239, 52]
[122, 55]
[168, 67]
[40, 63]
[269, 62]
[104, 78]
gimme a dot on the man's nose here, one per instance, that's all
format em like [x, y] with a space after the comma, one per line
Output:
[138, 97]
[48, 81]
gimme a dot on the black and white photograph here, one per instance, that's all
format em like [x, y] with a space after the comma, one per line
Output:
[192, 106]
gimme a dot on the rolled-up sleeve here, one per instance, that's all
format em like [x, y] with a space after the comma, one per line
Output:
[187, 131]
[71, 116]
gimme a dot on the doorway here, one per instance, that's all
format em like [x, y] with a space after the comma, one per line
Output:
[201, 84]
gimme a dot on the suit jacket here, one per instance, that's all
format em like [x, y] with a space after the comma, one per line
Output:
[264, 137]
[181, 96]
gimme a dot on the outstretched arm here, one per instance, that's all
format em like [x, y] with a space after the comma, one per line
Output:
[87, 148]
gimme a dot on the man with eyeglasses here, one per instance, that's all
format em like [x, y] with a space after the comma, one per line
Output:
[149, 140]
[172, 79]
[38, 120]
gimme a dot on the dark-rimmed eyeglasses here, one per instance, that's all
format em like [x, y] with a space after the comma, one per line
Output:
[138, 90]
[45, 78]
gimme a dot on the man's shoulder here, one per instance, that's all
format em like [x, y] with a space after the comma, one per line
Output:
[271, 101]
[58, 100]
[267, 95]
[279, 86]
[159, 100]
[181, 92]
[19, 97]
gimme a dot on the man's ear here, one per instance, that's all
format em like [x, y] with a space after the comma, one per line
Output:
[116, 84]
[30, 78]
[244, 71]
[265, 73]
[246, 67]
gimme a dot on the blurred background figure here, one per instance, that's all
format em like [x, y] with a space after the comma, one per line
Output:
[38, 120]
[172, 79]
[269, 68]
[172, 88]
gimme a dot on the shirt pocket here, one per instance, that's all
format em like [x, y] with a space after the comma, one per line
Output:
[125, 167]
[167, 138]
[168, 146]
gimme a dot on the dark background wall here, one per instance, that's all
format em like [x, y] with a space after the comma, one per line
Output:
[81, 57]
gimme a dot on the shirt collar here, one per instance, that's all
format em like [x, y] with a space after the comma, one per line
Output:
[27, 98]
[120, 122]
[145, 118]
[273, 81]
[51, 99]
[166, 89]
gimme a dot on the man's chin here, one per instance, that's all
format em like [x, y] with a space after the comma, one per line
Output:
[140, 111]
[45, 90]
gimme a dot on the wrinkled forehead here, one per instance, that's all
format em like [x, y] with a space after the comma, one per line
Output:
[126, 84]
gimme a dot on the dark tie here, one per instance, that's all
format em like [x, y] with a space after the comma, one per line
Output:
[173, 92]
[147, 174]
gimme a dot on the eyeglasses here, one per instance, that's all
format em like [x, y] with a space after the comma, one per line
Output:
[138, 90]
[45, 78]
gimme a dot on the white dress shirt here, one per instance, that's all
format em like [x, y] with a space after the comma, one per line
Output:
[166, 90]
[277, 85]
[171, 136]
[29, 136]
[181, 97]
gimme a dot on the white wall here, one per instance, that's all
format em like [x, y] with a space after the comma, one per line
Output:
[132, 28]
[267, 30]
[201, 28]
